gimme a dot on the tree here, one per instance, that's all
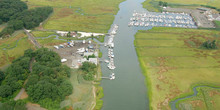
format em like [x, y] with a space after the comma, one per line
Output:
[37, 68]
[68, 34]
[165, 4]
[66, 88]
[29, 53]
[16, 14]
[5, 91]
[87, 66]
[92, 36]
[89, 70]
[214, 44]
[2, 76]
[160, 3]
[1, 21]
[16, 24]
[33, 79]
[91, 56]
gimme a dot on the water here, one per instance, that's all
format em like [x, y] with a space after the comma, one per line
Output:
[128, 90]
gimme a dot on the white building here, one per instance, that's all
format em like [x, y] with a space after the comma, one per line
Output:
[62, 33]
[93, 60]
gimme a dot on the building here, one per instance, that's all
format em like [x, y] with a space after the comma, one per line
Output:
[88, 53]
[62, 33]
[93, 60]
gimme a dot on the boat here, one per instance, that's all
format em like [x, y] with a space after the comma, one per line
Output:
[112, 67]
[112, 76]
[106, 61]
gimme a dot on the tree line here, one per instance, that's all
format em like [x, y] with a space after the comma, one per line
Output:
[47, 79]
[163, 4]
[17, 15]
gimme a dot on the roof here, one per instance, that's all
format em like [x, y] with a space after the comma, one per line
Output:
[203, 9]
[93, 60]
[88, 53]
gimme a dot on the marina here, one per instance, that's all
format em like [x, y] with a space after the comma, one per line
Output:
[165, 19]
[129, 82]
[110, 45]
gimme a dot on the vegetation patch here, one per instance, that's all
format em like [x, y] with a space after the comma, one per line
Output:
[89, 69]
[18, 17]
[172, 61]
[50, 41]
[217, 24]
[13, 47]
[156, 5]
[42, 33]
[46, 79]
[87, 16]
[206, 99]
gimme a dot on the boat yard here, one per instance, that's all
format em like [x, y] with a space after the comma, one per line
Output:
[73, 54]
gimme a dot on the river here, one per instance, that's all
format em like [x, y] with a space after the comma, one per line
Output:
[128, 91]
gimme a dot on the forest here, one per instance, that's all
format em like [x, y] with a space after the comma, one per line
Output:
[47, 80]
[17, 16]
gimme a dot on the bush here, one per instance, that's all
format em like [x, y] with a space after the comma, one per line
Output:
[209, 44]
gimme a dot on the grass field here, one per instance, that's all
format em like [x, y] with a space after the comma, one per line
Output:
[42, 33]
[153, 5]
[80, 15]
[50, 41]
[82, 96]
[173, 63]
[13, 47]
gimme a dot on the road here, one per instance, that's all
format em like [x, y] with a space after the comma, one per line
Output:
[32, 39]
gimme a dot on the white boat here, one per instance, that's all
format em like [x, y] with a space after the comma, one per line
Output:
[112, 76]
[112, 56]
[106, 61]
[112, 67]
